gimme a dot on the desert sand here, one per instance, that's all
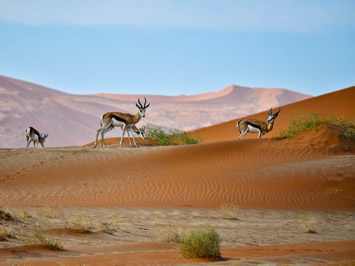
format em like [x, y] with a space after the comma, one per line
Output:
[275, 191]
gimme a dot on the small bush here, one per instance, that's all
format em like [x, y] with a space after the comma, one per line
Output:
[201, 244]
[314, 121]
[50, 242]
[174, 137]
[302, 123]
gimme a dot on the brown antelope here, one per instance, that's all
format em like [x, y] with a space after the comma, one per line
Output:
[256, 126]
[123, 120]
[33, 135]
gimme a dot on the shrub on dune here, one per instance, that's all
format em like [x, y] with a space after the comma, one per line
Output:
[173, 137]
[315, 121]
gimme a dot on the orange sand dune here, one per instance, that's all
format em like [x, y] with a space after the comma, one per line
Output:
[312, 171]
[336, 103]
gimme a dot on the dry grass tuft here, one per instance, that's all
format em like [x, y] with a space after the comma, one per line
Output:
[4, 234]
[309, 225]
[110, 227]
[171, 234]
[79, 225]
[229, 211]
[48, 241]
[23, 213]
[50, 212]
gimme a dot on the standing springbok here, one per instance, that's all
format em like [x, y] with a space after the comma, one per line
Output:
[116, 119]
[256, 126]
[33, 135]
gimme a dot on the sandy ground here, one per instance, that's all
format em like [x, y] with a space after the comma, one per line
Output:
[264, 198]
[139, 235]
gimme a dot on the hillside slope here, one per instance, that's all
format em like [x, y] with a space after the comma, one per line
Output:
[73, 119]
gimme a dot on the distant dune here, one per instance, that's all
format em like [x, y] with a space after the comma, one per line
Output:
[336, 103]
[73, 119]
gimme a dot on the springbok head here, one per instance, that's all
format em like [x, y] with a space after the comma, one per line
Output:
[142, 132]
[272, 116]
[44, 136]
[143, 107]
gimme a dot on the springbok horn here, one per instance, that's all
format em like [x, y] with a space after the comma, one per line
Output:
[145, 102]
[140, 104]
[270, 111]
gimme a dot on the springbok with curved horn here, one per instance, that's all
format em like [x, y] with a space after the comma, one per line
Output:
[33, 135]
[117, 119]
[256, 126]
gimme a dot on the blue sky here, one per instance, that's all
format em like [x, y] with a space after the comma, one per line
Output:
[173, 47]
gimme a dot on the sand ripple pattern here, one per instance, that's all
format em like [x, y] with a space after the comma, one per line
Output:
[298, 173]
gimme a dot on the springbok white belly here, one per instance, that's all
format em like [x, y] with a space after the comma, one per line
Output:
[117, 123]
[253, 129]
[35, 138]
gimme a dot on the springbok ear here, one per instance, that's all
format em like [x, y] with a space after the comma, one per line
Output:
[138, 106]
[147, 106]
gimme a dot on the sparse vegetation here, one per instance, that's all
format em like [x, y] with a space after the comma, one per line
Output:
[6, 215]
[4, 234]
[110, 227]
[173, 137]
[23, 213]
[309, 225]
[50, 212]
[202, 243]
[315, 120]
[171, 234]
[229, 211]
[48, 241]
[80, 225]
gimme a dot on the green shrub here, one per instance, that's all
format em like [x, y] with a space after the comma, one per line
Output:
[174, 137]
[302, 123]
[315, 120]
[201, 244]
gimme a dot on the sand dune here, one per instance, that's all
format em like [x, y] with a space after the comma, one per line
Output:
[312, 171]
[336, 103]
[275, 183]
[73, 119]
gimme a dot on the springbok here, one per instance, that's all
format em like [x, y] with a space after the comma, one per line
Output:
[139, 131]
[123, 120]
[256, 126]
[33, 135]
